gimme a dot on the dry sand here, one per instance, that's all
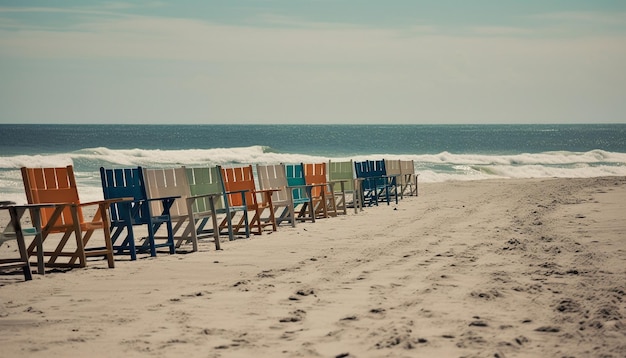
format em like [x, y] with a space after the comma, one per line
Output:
[511, 268]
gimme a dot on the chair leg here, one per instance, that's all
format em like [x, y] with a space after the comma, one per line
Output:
[15, 221]
[170, 237]
[107, 237]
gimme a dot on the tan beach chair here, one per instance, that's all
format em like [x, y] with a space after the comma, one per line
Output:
[58, 186]
[274, 177]
[408, 178]
[394, 170]
[173, 182]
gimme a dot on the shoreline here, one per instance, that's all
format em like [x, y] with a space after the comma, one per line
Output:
[493, 267]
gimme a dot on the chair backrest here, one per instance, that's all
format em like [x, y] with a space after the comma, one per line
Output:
[315, 173]
[342, 171]
[392, 167]
[273, 177]
[203, 181]
[240, 178]
[407, 168]
[125, 183]
[52, 185]
[371, 170]
[167, 182]
[295, 177]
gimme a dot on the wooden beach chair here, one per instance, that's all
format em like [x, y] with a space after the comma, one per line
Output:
[135, 210]
[65, 219]
[393, 169]
[302, 191]
[315, 174]
[13, 231]
[205, 181]
[374, 182]
[408, 178]
[173, 182]
[274, 177]
[345, 186]
[241, 179]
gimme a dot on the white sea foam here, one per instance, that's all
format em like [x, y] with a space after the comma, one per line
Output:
[553, 158]
[18, 161]
[262, 155]
[439, 167]
[190, 157]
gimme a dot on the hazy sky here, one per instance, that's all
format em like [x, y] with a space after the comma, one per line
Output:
[313, 61]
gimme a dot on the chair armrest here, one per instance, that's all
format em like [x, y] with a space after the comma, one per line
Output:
[194, 197]
[33, 206]
[266, 191]
[237, 191]
[163, 198]
[106, 201]
[299, 186]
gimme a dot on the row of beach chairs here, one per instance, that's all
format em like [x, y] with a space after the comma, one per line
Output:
[148, 210]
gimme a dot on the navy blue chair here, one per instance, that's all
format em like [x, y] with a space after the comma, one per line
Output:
[135, 210]
[376, 185]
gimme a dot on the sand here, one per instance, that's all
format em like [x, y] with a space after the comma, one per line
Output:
[505, 268]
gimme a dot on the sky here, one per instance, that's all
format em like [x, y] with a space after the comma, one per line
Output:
[313, 61]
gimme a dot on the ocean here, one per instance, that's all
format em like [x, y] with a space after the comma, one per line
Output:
[441, 152]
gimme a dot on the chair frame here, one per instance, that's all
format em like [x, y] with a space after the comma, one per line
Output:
[408, 178]
[135, 209]
[274, 177]
[346, 183]
[173, 182]
[205, 181]
[13, 231]
[375, 184]
[316, 175]
[303, 192]
[58, 186]
[393, 168]
[238, 179]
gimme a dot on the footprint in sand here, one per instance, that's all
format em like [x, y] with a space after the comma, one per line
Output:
[302, 293]
[295, 316]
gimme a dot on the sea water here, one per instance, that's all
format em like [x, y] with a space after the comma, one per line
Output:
[440, 152]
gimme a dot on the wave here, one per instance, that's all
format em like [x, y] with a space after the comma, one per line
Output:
[549, 158]
[102, 156]
[444, 166]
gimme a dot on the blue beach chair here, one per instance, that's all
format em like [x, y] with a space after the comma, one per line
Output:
[135, 210]
[375, 184]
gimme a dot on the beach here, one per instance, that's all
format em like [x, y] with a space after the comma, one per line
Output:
[485, 268]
